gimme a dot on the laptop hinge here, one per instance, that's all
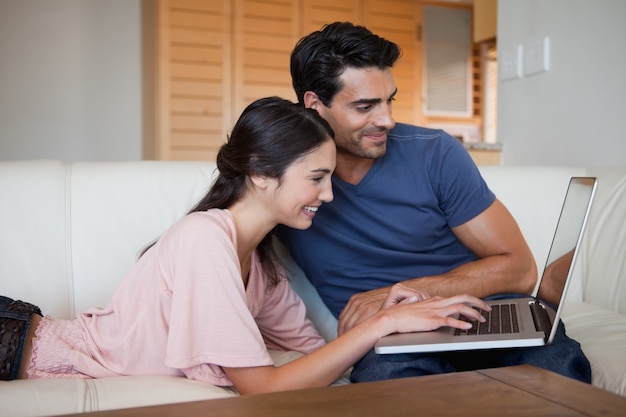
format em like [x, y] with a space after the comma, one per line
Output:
[540, 317]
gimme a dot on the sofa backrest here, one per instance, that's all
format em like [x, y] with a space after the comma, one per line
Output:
[117, 209]
[33, 247]
[603, 259]
[69, 232]
[534, 195]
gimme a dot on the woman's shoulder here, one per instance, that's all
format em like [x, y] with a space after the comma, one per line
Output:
[211, 216]
[212, 222]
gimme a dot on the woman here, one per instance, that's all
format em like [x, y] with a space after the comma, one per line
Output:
[209, 298]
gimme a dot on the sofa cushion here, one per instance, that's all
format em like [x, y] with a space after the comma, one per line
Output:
[545, 187]
[45, 397]
[602, 336]
[33, 245]
[603, 257]
[317, 312]
[54, 396]
[114, 219]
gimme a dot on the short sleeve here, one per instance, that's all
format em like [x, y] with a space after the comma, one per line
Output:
[462, 192]
[283, 321]
[210, 325]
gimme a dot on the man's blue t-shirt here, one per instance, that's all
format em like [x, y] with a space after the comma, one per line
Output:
[395, 224]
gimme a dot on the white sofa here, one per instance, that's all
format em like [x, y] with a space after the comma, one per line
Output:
[69, 232]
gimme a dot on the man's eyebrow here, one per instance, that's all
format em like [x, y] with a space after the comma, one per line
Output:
[373, 100]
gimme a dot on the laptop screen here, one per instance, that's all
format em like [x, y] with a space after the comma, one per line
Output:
[566, 241]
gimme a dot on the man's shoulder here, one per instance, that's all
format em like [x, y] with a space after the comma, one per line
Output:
[409, 131]
[407, 139]
[419, 135]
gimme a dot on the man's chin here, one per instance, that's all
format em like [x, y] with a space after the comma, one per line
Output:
[374, 152]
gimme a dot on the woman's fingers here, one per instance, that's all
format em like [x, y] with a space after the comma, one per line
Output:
[436, 312]
[460, 299]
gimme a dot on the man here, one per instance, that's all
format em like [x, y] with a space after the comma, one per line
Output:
[410, 208]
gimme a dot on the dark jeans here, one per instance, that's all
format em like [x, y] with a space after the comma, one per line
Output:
[564, 356]
[15, 317]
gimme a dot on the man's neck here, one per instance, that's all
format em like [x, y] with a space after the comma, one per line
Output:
[352, 169]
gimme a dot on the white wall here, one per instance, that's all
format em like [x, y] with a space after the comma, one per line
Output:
[70, 79]
[574, 114]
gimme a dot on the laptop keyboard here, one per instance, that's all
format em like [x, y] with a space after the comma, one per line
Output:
[501, 319]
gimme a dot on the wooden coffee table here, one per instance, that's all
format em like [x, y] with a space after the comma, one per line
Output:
[513, 391]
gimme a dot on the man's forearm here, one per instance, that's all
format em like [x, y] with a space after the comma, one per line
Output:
[481, 278]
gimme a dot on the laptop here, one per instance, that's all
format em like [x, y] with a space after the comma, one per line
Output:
[523, 322]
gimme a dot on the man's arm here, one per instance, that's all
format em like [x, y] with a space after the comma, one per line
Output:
[505, 265]
[554, 278]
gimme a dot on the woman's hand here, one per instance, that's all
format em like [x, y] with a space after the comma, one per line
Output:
[433, 313]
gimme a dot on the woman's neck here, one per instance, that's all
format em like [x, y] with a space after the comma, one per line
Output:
[251, 225]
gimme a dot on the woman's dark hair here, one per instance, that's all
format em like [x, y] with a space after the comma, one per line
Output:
[271, 134]
[319, 59]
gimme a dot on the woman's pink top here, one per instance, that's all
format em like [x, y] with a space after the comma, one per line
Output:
[182, 310]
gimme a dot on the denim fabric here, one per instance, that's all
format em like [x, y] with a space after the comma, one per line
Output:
[9, 314]
[564, 356]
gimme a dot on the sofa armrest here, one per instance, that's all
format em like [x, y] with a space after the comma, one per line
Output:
[317, 311]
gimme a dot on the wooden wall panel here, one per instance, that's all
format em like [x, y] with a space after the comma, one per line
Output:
[485, 15]
[317, 13]
[396, 20]
[194, 73]
[214, 57]
[264, 35]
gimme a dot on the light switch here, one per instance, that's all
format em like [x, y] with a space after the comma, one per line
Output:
[537, 56]
[510, 65]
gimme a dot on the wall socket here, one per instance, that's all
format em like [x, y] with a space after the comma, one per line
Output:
[510, 65]
[537, 56]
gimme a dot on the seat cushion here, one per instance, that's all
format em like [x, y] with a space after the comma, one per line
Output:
[602, 335]
[45, 397]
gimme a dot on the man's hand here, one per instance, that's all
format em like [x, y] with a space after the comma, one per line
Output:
[364, 305]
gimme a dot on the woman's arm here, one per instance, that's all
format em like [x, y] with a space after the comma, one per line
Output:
[323, 366]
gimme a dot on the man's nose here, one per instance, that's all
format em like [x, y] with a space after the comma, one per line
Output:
[384, 118]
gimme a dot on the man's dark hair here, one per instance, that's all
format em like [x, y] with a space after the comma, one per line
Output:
[319, 59]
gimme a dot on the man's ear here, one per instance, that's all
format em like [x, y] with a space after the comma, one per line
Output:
[311, 100]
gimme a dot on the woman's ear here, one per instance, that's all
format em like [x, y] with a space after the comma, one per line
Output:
[311, 100]
[260, 181]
